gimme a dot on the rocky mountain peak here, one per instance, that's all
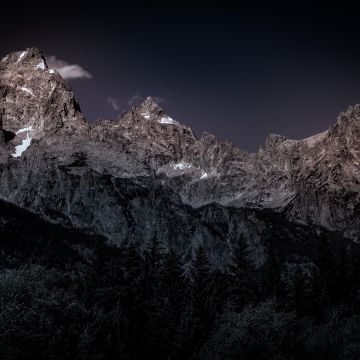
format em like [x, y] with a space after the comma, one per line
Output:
[148, 114]
[150, 107]
[345, 133]
[349, 118]
[274, 140]
[34, 100]
[146, 147]
[31, 57]
[150, 110]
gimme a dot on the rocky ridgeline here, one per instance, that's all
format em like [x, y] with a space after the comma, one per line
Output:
[145, 172]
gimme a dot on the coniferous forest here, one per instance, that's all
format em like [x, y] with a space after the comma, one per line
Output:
[132, 303]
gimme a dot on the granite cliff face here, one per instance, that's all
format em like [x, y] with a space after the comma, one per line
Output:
[145, 173]
[33, 95]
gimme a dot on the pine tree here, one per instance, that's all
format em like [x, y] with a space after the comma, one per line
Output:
[272, 284]
[242, 275]
[174, 291]
[200, 275]
[342, 280]
[174, 298]
[153, 322]
[130, 311]
[320, 277]
[296, 292]
[200, 309]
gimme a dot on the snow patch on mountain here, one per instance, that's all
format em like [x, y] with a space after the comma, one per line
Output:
[204, 175]
[182, 166]
[41, 65]
[167, 120]
[19, 149]
[22, 55]
[26, 129]
[25, 89]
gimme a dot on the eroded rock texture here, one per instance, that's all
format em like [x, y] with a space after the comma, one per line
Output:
[145, 174]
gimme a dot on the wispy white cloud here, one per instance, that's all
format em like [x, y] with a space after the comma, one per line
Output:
[159, 99]
[137, 98]
[66, 70]
[114, 103]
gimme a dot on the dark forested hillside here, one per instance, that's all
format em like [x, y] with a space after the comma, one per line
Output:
[68, 295]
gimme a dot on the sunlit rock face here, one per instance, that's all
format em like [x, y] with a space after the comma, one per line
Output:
[145, 173]
[34, 97]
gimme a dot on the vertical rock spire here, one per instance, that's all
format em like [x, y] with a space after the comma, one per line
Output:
[33, 96]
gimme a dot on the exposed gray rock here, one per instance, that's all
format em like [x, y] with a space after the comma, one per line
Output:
[32, 96]
[145, 172]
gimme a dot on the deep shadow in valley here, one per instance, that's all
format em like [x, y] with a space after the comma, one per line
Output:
[68, 295]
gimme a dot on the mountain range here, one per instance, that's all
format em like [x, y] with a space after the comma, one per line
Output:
[145, 174]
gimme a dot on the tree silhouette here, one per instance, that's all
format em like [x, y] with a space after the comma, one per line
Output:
[242, 274]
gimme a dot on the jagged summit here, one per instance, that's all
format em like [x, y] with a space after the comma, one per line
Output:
[342, 135]
[274, 140]
[149, 102]
[29, 57]
[150, 110]
[348, 122]
[91, 175]
[34, 100]
[351, 111]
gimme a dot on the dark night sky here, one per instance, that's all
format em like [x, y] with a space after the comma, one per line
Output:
[237, 72]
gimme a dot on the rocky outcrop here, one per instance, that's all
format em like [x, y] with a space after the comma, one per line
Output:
[34, 100]
[145, 173]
